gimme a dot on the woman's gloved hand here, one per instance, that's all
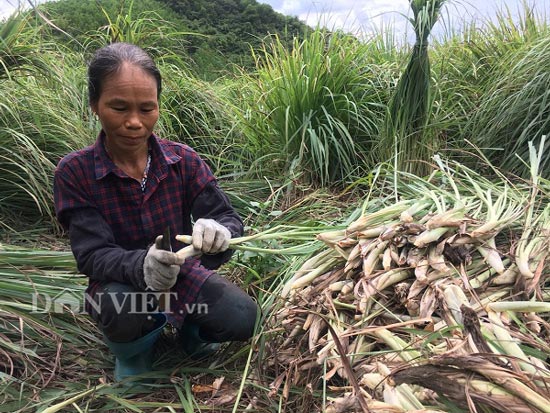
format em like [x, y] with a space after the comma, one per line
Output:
[160, 267]
[210, 237]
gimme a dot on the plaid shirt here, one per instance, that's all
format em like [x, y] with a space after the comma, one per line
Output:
[112, 223]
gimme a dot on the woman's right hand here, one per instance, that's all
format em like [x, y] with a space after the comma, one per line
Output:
[160, 267]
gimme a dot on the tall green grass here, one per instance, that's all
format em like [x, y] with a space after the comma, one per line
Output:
[41, 118]
[405, 141]
[316, 106]
[315, 113]
[516, 108]
[491, 80]
[19, 47]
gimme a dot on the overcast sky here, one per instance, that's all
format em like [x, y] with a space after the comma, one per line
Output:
[364, 16]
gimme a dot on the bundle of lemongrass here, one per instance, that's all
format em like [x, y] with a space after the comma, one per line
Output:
[427, 299]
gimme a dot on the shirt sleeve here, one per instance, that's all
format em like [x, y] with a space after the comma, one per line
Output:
[92, 240]
[96, 253]
[68, 190]
[213, 203]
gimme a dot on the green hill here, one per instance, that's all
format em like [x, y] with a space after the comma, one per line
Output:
[214, 34]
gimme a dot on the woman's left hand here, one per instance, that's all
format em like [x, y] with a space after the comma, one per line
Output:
[210, 237]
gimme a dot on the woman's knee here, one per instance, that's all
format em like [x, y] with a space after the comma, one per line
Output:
[236, 322]
[231, 314]
[245, 320]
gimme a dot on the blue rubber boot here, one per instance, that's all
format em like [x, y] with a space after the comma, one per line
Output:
[193, 345]
[136, 357]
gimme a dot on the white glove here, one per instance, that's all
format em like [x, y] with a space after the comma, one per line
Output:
[160, 267]
[210, 237]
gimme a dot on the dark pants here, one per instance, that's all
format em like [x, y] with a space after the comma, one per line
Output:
[223, 311]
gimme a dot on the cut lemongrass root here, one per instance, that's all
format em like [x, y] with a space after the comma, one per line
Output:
[188, 252]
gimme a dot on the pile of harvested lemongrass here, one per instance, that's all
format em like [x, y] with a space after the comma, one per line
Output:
[437, 298]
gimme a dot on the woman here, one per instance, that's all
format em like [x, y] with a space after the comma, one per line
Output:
[118, 195]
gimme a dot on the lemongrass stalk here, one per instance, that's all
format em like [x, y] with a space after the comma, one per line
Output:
[387, 259]
[520, 306]
[507, 343]
[489, 389]
[372, 259]
[359, 348]
[338, 285]
[278, 232]
[354, 254]
[309, 320]
[436, 259]
[535, 162]
[403, 349]
[391, 277]
[347, 306]
[437, 275]
[351, 402]
[478, 280]
[379, 217]
[449, 218]
[309, 277]
[491, 255]
[403, 255]
[330, 238]
[57, 407]
[405, 396]
[518, 389]
[348, 288]
[507, 277]
[523, 251]
[394, 254]
[485, 300]
[372, 232]
[409, 214]
[428, 236]
[478, 306]
[527, 250]
[427, 302]
[238, 244]
[454, 298]
[372, 380]
[408, 399]
[313, 262]
[188, 252]
[497, 220]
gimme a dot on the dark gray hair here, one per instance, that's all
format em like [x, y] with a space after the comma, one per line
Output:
[109, 59]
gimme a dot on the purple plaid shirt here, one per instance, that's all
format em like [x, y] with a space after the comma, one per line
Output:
[112, 223]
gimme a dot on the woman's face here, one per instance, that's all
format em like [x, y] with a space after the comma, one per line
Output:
[128, 108]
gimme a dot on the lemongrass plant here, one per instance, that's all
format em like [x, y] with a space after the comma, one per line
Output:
[41, 119]
[18, 47]
[318, 104]
[489, 80]
[404, 138]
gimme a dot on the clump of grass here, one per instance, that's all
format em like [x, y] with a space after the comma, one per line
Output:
[516, 108]
[492, 81]
[405, 138]
[316, 104]
[19, 54]
[42, 118]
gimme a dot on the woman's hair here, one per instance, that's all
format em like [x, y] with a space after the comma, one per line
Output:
[109, 59]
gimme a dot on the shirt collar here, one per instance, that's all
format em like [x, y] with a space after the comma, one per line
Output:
[161, 157]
